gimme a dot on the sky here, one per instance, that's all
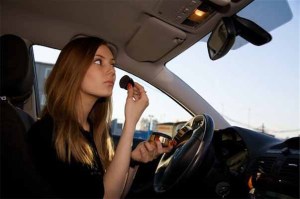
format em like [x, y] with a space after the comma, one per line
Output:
[253, 87]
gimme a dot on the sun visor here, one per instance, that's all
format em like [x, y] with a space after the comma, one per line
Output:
[153, 40]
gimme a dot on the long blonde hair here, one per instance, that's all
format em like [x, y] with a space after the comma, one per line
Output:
[62, 92]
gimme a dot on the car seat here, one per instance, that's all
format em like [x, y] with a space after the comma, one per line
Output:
[18, 175]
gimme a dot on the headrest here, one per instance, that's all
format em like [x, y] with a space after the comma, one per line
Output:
[16, 73]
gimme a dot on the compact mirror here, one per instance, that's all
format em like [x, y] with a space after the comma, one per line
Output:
[164, 139]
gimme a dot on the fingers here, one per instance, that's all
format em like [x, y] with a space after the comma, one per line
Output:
[159, 147]
[136, 94]
[167, 149]
[139, 92]
[149, 147]
[147, 151]
[139, 87]
[152, 151]
[136, 102]
[156, 149]
[135, 91]
[130, 91]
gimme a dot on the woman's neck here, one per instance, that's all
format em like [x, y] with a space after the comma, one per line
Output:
[85, 105]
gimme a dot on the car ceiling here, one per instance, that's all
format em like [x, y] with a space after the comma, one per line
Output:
[117, 21]
[53, 23]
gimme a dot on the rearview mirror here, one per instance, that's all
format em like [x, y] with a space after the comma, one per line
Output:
[223, 35]
[221, 39]
[250, 31]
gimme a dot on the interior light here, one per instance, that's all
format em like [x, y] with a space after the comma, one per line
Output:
[199, 13]
[198, 16]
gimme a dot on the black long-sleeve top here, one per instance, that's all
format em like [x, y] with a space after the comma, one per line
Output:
[72, 180]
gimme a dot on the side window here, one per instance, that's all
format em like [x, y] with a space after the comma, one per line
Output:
[44, 60]
[163, 114]
[42, 70]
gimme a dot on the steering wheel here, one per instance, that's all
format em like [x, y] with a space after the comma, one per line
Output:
[193, 142]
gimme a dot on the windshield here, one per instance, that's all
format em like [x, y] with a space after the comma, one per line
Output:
[255, 87]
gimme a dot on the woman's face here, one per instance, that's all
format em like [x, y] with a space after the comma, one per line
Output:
[100, 76]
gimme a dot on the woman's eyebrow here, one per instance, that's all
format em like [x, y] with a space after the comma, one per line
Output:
[98, 55]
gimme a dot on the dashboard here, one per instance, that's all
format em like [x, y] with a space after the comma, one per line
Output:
[241, 164]
[266, 166]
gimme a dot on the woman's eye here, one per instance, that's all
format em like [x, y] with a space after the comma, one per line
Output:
[98, 61]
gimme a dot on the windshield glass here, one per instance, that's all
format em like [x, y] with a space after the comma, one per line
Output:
[255, 87]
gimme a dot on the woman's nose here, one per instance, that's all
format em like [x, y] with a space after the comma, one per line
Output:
[110, 69]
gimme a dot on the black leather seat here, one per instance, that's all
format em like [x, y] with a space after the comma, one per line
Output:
[18, 175]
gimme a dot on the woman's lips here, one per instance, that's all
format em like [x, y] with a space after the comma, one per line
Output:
[111, 83]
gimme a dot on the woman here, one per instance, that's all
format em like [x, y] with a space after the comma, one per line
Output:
[71, 142]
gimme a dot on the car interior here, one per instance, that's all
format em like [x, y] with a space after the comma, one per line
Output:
[212, 158]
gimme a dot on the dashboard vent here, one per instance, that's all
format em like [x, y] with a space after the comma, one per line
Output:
[264, 164]
[290, 170]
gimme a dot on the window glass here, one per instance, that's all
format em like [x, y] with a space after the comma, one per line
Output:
[157, 116]
[44, 60]
[255, 87]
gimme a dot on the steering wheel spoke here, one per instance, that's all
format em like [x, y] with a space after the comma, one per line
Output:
[193, 141]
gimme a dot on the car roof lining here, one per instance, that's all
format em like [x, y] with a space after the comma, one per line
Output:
[50, 18]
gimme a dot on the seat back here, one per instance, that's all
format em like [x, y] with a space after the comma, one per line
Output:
[18, 175]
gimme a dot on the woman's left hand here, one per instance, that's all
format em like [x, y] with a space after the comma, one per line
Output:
[146, 151]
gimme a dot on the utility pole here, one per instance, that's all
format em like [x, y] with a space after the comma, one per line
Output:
[150, 126]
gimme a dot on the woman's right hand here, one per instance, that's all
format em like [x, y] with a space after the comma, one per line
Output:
[136, 103]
